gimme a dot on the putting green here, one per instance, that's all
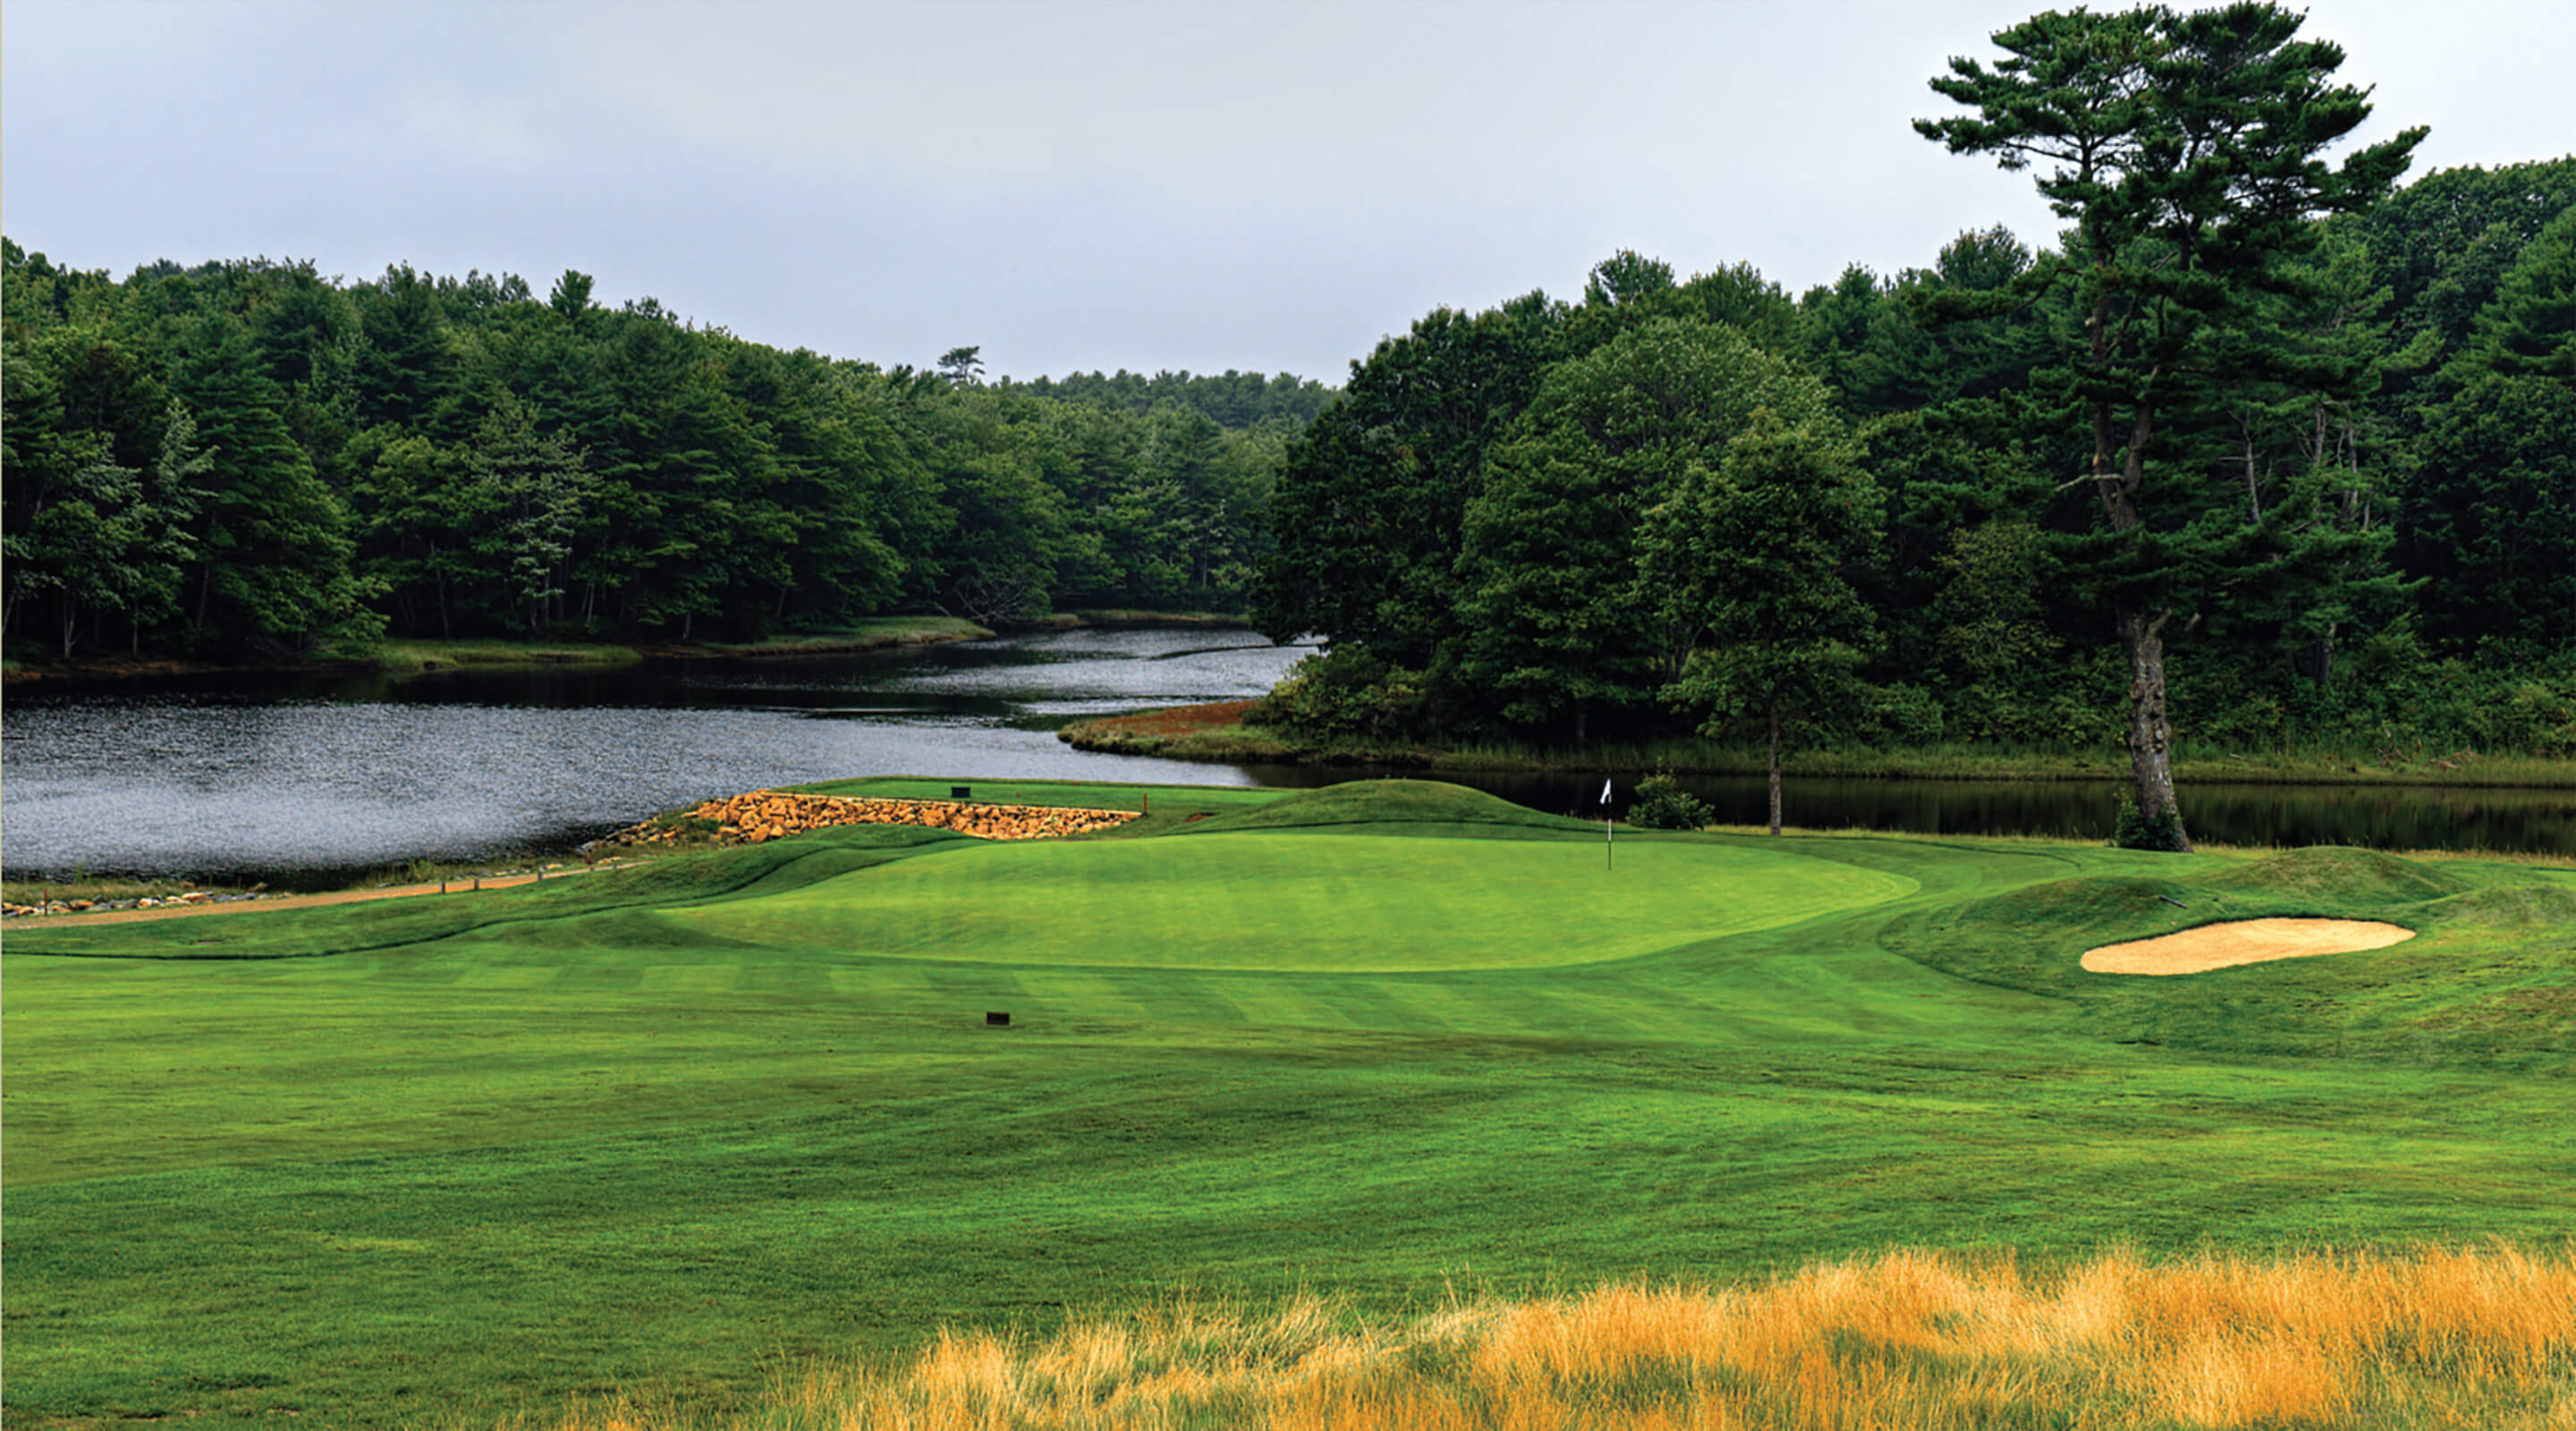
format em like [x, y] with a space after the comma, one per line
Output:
[1308, 901]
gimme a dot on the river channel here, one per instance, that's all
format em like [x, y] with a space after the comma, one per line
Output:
[309, 780]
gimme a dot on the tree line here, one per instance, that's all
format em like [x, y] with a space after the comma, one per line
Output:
[2264, 449]
[247, 458]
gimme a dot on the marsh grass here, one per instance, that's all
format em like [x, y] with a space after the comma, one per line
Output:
[404, 657]
[1231, 739]
[1903, 1341]
[1122, 616]
[873, 634]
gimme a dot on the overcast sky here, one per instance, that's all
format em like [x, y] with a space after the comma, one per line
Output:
[1081, 185]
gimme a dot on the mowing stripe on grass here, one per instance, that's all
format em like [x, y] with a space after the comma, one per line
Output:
[1303, 901]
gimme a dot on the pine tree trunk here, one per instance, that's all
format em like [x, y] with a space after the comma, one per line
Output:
[1775, 767]
[2150, 727]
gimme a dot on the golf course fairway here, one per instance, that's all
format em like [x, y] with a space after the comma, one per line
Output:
[677, 1131]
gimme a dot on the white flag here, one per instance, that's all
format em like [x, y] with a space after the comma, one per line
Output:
[1605, 792]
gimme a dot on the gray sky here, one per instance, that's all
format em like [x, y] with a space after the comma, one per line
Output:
[1081, 185]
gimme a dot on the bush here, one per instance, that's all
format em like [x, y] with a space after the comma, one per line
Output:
[1901, 716]
[1662, 804]
[1345, 691]
[2135, 831]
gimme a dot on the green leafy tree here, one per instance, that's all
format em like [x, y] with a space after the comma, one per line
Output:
[80, 545]
[536, 491]
[570, 297]
[962, 366]
[2488, 518]
[2444, 243]
[403, 372]
[1994, 641]
[274, 543]
[1562, 621]
[2185, 151]
[1371, 502]
[1758, 551]
[173, 491]
[2529, 329]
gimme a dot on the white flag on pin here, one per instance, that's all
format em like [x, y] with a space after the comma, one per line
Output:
[1605, 792]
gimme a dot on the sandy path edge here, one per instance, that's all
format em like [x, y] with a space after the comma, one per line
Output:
[85, 918]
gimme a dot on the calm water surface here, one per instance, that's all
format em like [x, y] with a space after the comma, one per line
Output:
[306, 780]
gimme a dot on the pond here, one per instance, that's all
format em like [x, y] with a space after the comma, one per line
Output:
[310, 780]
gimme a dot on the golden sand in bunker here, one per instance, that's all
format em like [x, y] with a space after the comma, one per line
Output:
[764, 815]
[2244, 941]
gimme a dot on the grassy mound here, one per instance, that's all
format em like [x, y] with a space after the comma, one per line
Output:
[2485, 936]
[2337, 876]
[1389, 806]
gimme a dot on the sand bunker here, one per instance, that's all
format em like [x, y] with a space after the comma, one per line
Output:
[2247, 941]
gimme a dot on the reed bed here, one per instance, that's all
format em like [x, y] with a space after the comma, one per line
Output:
[1905, 1341]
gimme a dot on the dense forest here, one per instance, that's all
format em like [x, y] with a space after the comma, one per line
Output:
[2273, 451]
[249, 459]
[2263, 449]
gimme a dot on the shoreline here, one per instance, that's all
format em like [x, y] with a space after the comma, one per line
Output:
[408, 657]
[1215, 733]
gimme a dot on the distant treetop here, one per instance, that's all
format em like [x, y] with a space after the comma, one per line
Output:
[1233, 400]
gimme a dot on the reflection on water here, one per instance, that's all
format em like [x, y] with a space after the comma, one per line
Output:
[303, 779]
[245, 778]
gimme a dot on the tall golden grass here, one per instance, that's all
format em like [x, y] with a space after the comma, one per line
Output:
[1906, 1341]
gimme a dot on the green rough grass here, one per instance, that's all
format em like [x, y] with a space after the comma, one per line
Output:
[2489, 981]
[448, 1161]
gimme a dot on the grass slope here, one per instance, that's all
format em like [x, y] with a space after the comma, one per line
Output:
[2490, 981]
[675, 1129]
